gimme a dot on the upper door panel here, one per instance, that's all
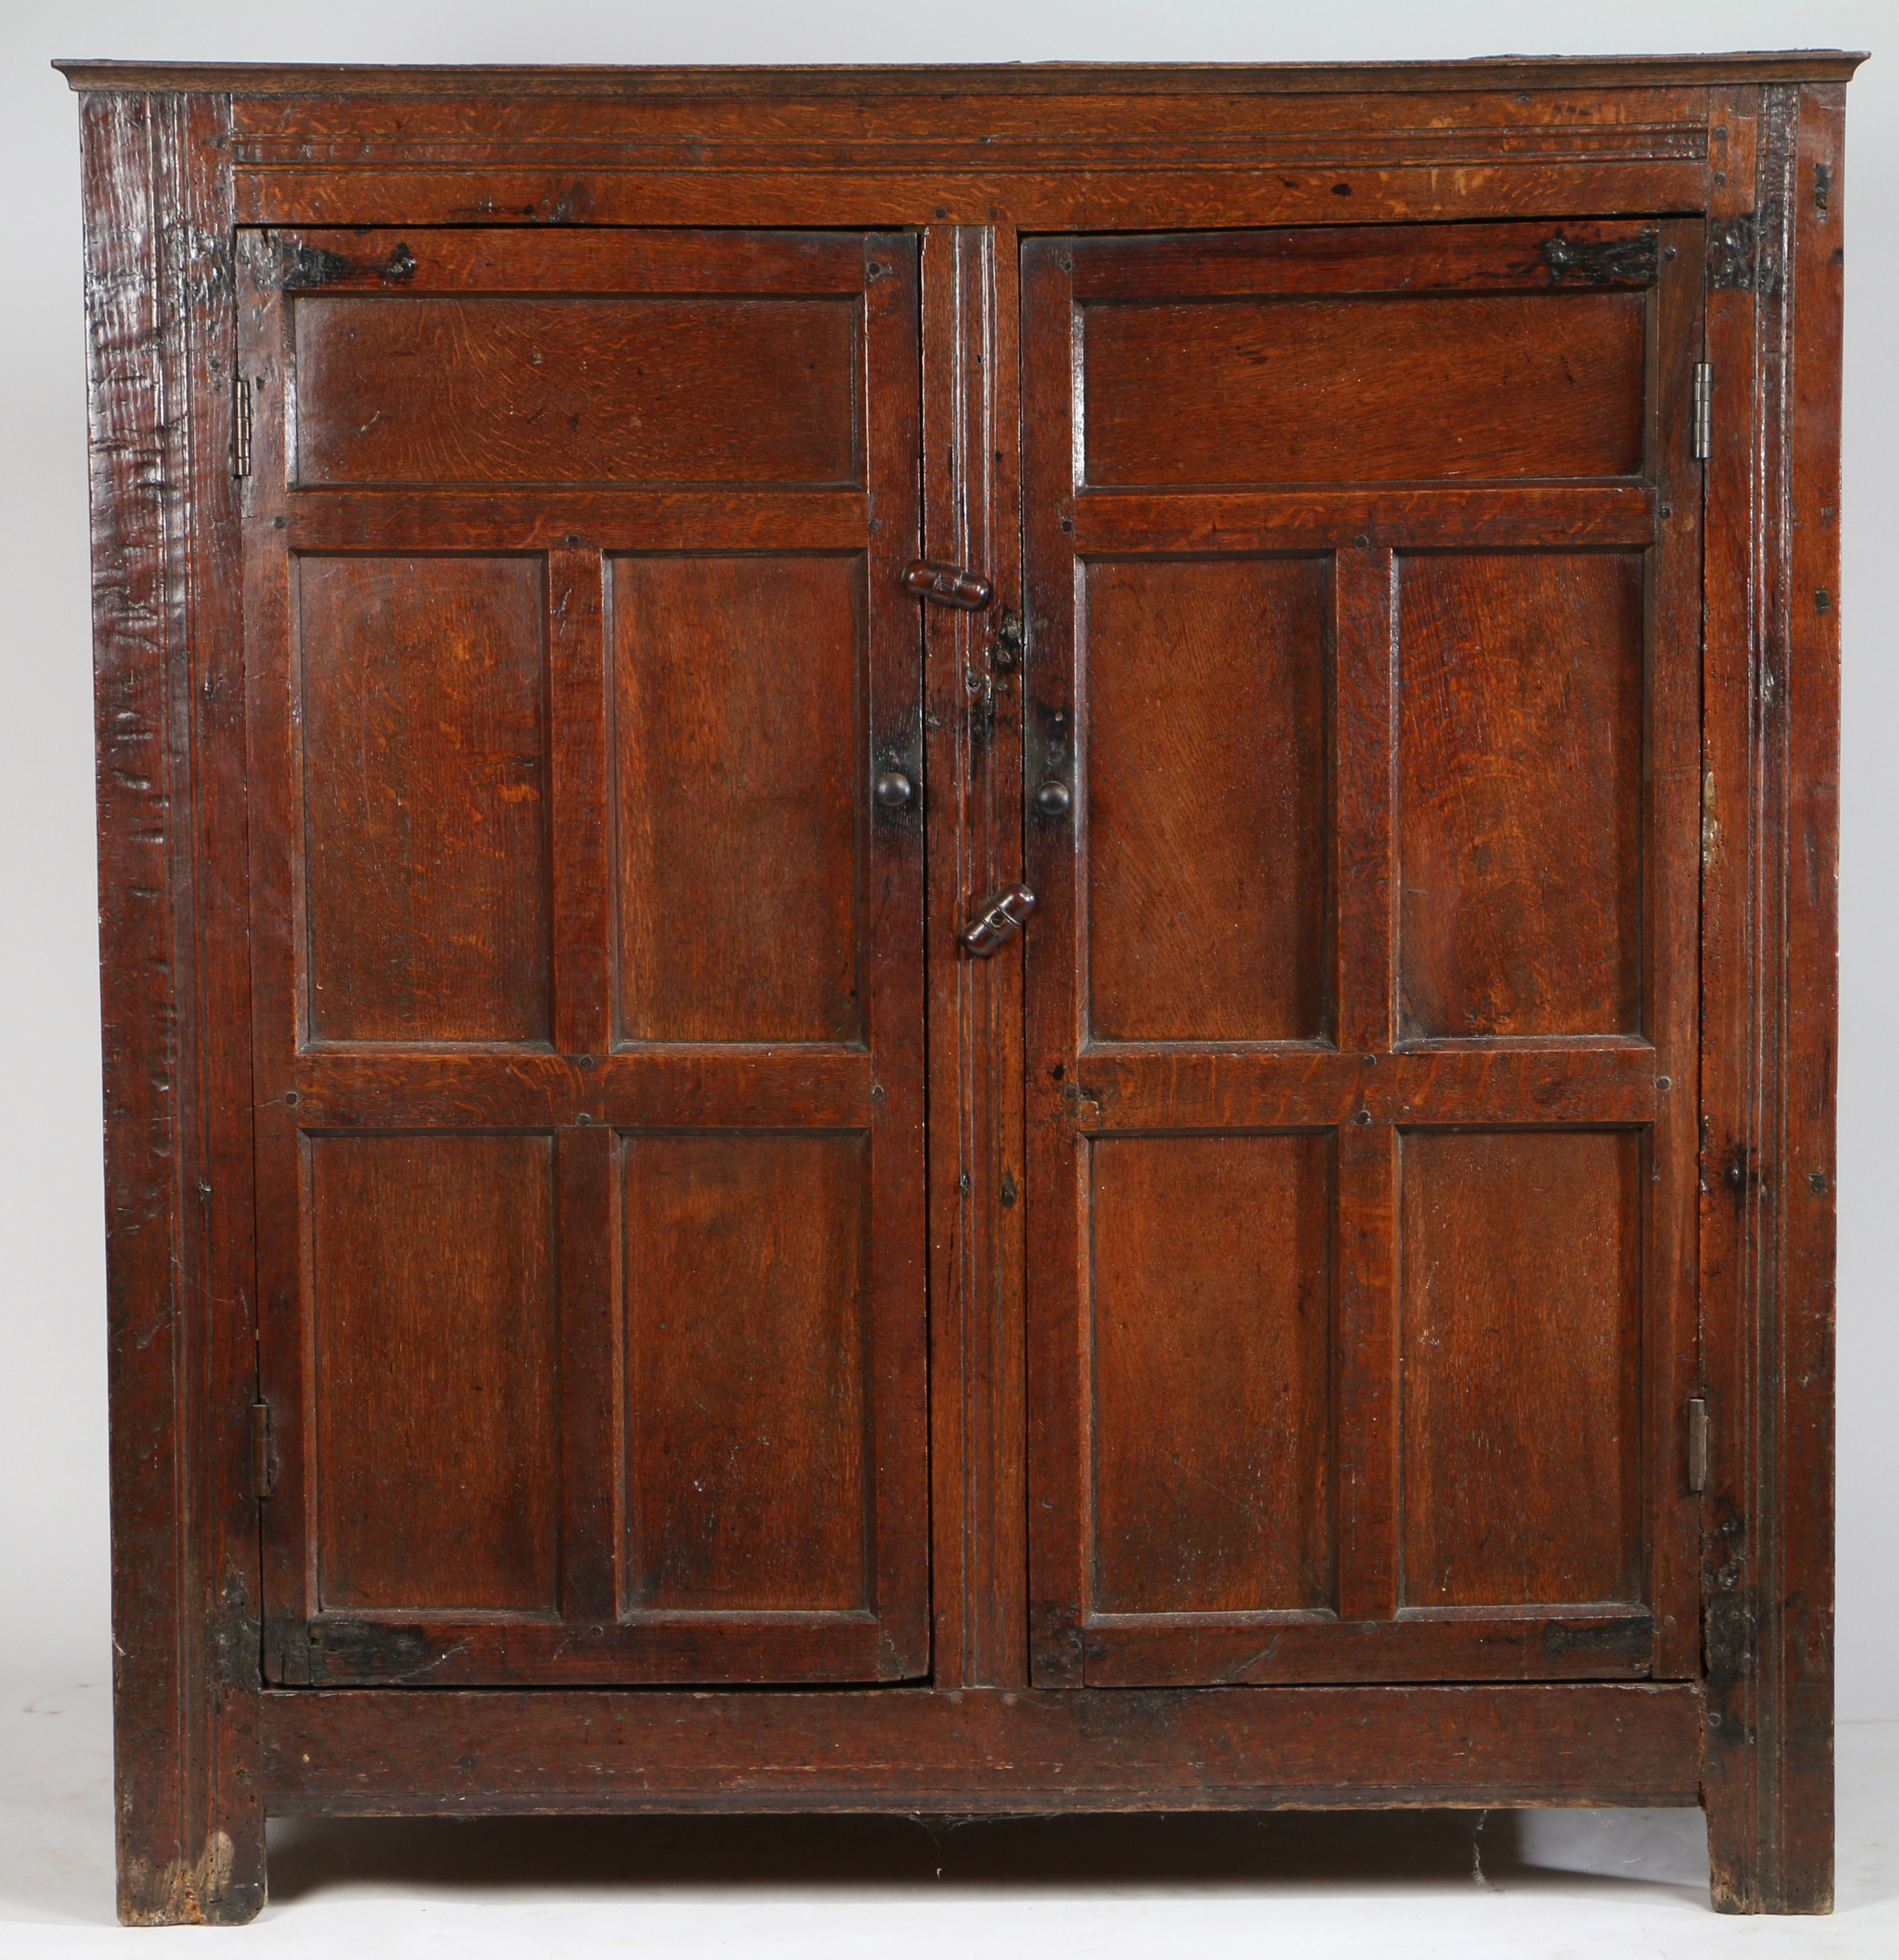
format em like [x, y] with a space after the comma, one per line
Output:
[589, 977]
[1362, 579]
[1291, 365]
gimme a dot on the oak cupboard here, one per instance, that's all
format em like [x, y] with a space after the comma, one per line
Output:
[995, 903]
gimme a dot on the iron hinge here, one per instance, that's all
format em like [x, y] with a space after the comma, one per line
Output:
[263, 1458]
[1698, 1444]
[1703, 410]
[240, 427]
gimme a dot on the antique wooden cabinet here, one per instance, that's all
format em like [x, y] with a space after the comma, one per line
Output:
[996, 904]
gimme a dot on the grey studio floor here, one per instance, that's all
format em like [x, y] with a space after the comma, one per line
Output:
[1419, 1884]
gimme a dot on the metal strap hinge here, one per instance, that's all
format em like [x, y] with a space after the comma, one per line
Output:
[1698, 1444]
[240, 427]
[263, 1458]
[1703, 410]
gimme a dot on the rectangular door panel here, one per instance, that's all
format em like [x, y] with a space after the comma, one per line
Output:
[1295, 390]
[1362, 570]
[424, 738]
[579, 388]
[1210, 1336]
[1206, 747]
[1520, 1360]
[436, 1374]
[736, 720]
[748, 1352]
[576, 638]
[1520, 799]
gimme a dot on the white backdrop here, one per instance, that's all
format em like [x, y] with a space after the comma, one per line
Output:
[53, 1545]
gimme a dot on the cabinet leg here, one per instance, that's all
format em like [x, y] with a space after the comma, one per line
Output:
[213, 1876]
[1770, 1814]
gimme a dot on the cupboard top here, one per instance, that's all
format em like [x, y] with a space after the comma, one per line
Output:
[1067, 78]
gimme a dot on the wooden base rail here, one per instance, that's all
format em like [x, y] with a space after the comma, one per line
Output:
[485, 1752]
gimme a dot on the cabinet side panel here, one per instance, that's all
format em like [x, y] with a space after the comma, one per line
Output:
[1769, 992]
[174, 983]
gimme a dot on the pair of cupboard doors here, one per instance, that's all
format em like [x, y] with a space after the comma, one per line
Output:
[1327, 664]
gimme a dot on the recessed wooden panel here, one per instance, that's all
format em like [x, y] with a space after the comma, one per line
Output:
[433, 1318]
[597, 389]
[425, 779]
[746, 1353]
[1520, 1319]
[738, 764]
[1520, 793]
[1371, 390]
[1211, 1335]
[1205, 682]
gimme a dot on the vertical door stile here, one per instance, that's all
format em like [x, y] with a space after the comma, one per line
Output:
[1364, 1281]
[1672, 979]
[1057, 1252]
[590, 1388]
[899, 1436]
[284, 1374]
[581, 869]
[973, 778]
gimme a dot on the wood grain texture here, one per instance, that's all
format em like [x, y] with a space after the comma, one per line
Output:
[1277, 1650]
[1206, 682]
[1520, 786]
[747, 1372]
[1454, 726]
[1519, 1343]
[1350, 192]
[1210, 1334]
[626, 518]
[1769, 1020]
[496, 260]
[424, 798]
[434, 1313]
[1356, 390]
[752, 726]
[738, 720]
[801, 185]
[973, 774]
[1549, 257]
[393, 1753]
[180, 1337]
[1317, 517]
[585, 389]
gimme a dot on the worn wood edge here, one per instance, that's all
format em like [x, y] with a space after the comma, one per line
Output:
[1770, 1035]
[393, 1751]
[159, 299]
[970, 79]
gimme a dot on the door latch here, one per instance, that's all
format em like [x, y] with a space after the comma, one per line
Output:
[997, 919]
[949, 585]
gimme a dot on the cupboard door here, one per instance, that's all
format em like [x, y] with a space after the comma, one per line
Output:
[588, 1041]
[1363, 576]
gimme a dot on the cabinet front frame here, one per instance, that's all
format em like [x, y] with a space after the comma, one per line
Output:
[176, 160]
